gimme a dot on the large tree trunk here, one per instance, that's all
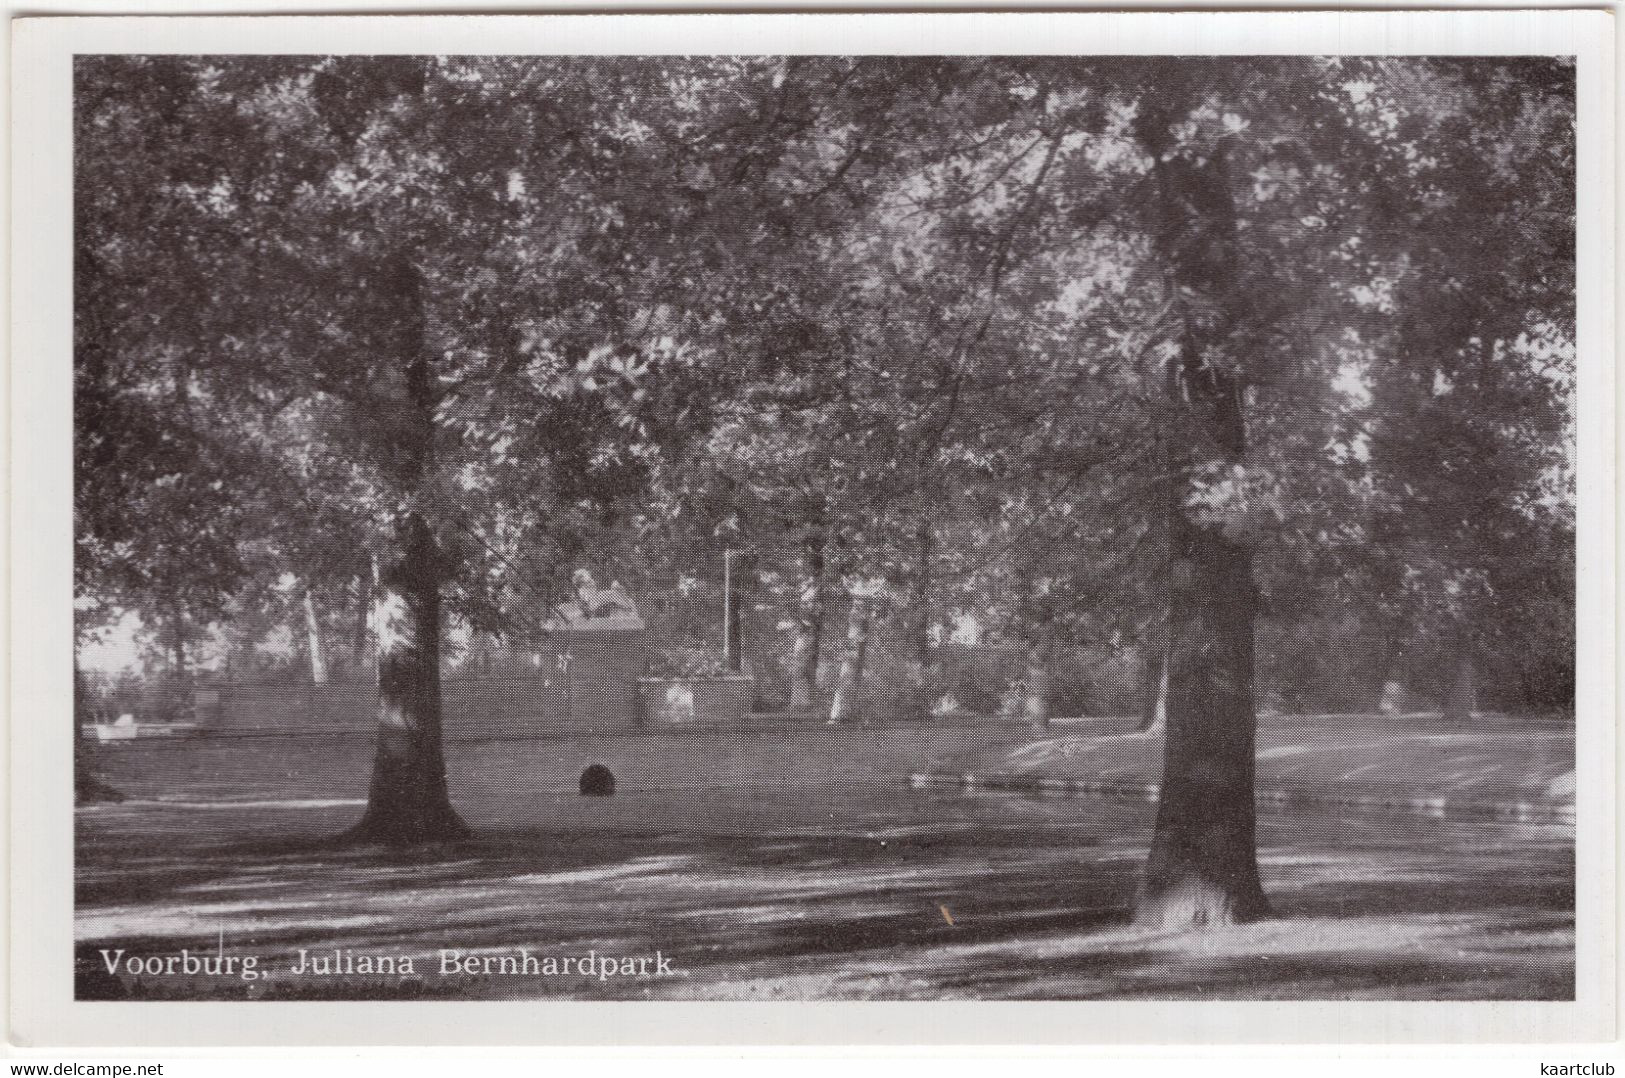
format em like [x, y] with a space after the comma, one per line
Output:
[1203, 865]
[809, 629]
[408, 801]
[850, 683]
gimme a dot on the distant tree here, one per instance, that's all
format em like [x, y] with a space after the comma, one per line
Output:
[1470, 423]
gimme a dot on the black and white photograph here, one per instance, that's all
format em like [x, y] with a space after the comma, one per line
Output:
[843, 527]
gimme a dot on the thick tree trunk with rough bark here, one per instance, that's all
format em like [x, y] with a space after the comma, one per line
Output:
[809, 628]
[850, 682]
[408, 801]
[1203, 865]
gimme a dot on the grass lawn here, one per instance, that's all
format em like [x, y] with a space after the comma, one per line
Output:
[821, 876]
[1497, 759]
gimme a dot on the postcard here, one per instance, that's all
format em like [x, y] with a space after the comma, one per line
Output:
[813, 528]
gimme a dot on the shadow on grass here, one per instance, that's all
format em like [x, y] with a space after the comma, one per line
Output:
[998, 906]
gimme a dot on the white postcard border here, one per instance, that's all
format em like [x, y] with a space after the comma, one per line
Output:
[40, 988]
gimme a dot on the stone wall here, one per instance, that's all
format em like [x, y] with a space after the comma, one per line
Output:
[580, 681]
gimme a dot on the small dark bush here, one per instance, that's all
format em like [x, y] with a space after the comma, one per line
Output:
[597, 781]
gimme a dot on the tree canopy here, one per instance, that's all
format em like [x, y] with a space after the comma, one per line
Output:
[1143, 352]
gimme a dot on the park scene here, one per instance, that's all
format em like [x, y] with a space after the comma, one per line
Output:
[822, 528]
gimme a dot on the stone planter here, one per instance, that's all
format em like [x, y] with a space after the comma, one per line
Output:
[683, 701]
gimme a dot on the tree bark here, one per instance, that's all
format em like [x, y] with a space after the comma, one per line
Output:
[178, 666]
[809, 632]
[313, 632]
[1154, 692]
[1035, 700]
[408, 801]
[363, 619]
[1461, 696]
[88, 787]
[741, 585]
[1391, 687]
[924, 672]
[1203, 865]
[850, 682]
